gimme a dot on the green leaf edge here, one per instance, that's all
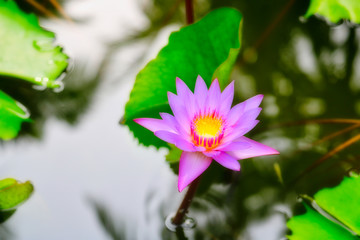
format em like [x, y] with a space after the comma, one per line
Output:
[8, 184]
[319, 200]
[31, 18]
[17, 114]
[321, 196]
[326, 223]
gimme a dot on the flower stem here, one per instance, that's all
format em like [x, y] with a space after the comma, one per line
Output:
[189, 11]
[185, 204]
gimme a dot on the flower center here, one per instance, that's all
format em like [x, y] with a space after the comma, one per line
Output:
[207, 130]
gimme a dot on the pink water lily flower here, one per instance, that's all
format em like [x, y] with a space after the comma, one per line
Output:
[206, 128]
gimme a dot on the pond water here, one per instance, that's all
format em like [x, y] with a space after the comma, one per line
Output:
[94, 181]
[72, 166]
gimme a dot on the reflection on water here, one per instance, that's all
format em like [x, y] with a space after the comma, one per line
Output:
[93, 181]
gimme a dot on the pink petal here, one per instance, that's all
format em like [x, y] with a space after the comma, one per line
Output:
[170, 121]
[153, 124]
[213, 97]
[200, 92]
[227, 97]
[247, 127]
[235, 132]
[245, 123]
[245, 118]
[211, 153]
[237, 111]
[249, 116]
[179, 110]
[182, 89]
[174, 125]
[253, 102]
[184, 93]
[233, 146]
[192, 165]
[256, 149]
[175, 139]
[227, 161]
[167, 136]
[200, 149]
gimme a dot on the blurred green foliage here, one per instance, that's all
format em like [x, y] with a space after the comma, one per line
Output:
[335, 10]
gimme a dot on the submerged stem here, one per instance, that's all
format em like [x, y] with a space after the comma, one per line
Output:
[185, 204]
[180, 234]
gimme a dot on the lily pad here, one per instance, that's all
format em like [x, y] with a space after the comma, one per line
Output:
[12, 193]
[208, 48]
[341, 220]
[314, 226]
[343, 202]
[335, 10]
[12, 115]
[27, 50]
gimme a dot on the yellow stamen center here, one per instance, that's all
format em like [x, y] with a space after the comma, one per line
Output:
[207, 126]
[207, 130]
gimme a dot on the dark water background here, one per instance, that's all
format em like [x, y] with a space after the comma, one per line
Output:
[93, 181]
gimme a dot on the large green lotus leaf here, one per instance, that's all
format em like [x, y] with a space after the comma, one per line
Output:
[208, 48]
[340, 203]
[335, 10]
[27, 50]
[13, 193]
[343, 202]
[314, 226]
[12, 114]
